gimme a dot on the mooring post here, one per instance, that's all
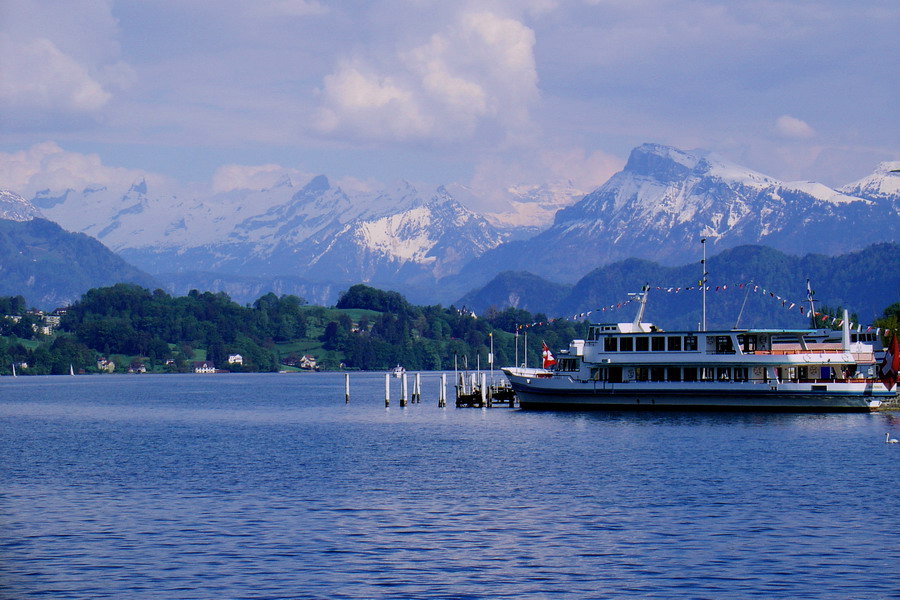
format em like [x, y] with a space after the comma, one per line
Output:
[484, 389]
[387, 389]
[417, 389]
[346, 388]
[403, 390]
[442, 393]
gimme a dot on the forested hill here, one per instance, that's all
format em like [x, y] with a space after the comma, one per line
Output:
[863, 282]
[369, 329]
[52, 267]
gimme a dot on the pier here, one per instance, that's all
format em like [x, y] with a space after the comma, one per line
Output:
[472, 390]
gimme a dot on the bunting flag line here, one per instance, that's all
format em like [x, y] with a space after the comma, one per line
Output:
[785, 303]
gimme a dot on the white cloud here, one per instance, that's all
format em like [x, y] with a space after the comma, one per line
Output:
[793, 128]
[37, 75]
[370, 104]
[481, 67]
[48, 166]
[576, 168]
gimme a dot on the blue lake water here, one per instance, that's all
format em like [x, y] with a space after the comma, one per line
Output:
[270, 486]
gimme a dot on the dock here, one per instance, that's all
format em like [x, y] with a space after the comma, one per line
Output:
[473, 391]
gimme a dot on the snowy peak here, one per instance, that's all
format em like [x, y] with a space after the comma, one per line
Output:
[138, 187]
[14, 207]
[426, 241]
[661, 162]
[883, 184]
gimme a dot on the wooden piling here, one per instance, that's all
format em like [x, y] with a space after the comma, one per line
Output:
[387, 389]
[418, 388]
[346, 388]
[403, 390]
[484, 389]
[442, 393]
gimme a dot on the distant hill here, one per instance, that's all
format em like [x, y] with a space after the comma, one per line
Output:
[864, 282]
[516, 289]
[52, 267]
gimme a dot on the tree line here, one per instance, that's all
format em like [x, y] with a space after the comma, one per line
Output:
[368, 329]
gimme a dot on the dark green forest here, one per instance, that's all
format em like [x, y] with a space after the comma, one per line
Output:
[368, 329]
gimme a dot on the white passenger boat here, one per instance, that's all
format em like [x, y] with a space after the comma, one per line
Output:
[637, 365]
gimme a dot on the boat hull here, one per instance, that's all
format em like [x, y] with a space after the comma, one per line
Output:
[836, 397]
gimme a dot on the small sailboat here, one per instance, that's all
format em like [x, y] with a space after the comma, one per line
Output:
[14, 369]
[71, 370]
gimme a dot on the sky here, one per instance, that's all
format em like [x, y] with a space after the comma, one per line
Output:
[214, 95]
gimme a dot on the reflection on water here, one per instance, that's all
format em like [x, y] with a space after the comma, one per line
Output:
[265, 486]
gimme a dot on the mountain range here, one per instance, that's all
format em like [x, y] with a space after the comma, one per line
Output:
[317, 239]
[666, 200]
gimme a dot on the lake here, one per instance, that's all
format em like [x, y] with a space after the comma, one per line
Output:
[270, 486]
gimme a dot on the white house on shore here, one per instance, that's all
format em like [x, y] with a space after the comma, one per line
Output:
[235, 359]
[204, 366]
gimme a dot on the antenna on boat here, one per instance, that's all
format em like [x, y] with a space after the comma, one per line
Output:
[738, 320]
[642, 295]
[703, 283]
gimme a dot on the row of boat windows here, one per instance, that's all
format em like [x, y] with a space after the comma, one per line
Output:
[672, 343]
[722, 344]
[619, 374]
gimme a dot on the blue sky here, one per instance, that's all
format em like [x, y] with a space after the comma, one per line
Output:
[203, 94]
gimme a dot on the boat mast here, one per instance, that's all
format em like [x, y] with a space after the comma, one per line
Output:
[812, 305]
[703, 283]
[525, 349]
[645, 290]
[517, 345]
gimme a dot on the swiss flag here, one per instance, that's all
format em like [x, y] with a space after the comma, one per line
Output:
[549, 361]
[889, 366]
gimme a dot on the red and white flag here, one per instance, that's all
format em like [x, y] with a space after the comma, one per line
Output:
[891, 364]
[549, 361]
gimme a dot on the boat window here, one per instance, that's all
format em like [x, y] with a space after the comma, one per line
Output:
[641, 344]
[724, 374]
[674, 343]
[641, 374]
[740, 374]
[690, 374]
[657, 374]
[625, 344]
[658, 344]
[674, 373]
[598, 373]
[747, 343]
[724, 344]
[690, 343]
[609, 344]
[707, 374]
[568, 364]
[592, 334]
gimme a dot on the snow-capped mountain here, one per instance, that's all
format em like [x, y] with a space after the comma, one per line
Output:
[14, 207]
[533, 207]
[317, 231]
[428, 240]
[665, 200]
[881, 186]
[658, 207]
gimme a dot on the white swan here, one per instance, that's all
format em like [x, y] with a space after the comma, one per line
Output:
[889, 440]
